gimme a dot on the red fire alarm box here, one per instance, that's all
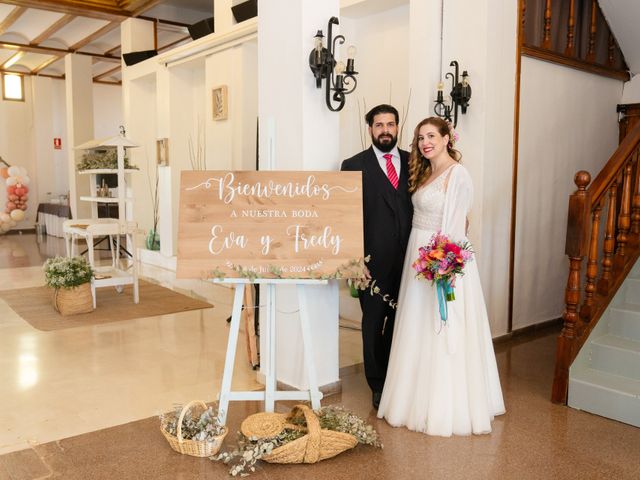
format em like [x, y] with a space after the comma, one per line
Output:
[57, 143]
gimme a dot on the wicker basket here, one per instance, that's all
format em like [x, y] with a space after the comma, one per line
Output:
[316, 445]
[195, 448]
[71, 301]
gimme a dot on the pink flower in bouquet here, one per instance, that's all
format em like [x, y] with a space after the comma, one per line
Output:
[442, 259]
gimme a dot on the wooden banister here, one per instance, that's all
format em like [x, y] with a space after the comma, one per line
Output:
[579, 51]
[615, 192]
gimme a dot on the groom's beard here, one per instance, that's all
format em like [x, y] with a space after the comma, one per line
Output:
[385, 142]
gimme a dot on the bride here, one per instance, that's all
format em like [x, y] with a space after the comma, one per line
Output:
[442, 379]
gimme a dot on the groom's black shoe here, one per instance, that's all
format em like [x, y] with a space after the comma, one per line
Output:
[376, 399]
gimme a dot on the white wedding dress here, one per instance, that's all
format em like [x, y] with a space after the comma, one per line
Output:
[441, 380]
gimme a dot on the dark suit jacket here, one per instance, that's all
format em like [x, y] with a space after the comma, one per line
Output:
[387, 216]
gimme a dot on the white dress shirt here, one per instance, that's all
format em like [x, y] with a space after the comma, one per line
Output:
[383, 161]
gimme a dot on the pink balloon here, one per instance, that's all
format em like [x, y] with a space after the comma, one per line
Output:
[23, 207]
[20, 191]
[13, 198]
[11, 206]
[26, 189]
[25, 198]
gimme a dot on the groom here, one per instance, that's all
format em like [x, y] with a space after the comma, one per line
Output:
[387, 212]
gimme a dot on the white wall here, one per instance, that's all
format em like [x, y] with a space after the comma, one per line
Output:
[631, 92]
[568, 122]
[382, 63]
[51, 175]
[107, 110]
[17, 146]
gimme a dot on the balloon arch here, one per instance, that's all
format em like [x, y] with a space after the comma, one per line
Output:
[15, 181]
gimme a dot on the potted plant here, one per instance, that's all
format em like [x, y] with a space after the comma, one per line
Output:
[70, 277]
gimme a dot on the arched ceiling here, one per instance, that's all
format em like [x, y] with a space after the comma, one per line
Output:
[35, 35]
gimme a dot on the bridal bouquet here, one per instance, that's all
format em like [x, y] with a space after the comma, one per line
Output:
[440, 261]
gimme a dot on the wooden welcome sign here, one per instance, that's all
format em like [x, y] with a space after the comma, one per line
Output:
[268, 224]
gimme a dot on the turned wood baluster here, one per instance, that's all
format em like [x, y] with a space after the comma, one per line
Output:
[624, 218]
[612, 49]
[523, 12]
[546, 39]
[575, 248]
[635, 204]
[570, 51]
[592, 265]
[593, 29]
[609, 241]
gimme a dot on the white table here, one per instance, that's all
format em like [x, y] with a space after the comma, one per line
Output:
[105, 276]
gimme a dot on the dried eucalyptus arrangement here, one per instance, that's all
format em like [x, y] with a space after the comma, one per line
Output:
[334, 418]
[102, 159]
[203, 427]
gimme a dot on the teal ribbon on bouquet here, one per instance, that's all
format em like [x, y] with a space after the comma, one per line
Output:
[445, 294]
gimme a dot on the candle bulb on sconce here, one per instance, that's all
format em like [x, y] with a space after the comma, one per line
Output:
[351, 53]
[459, 96]
[324, 66]
[340, 68]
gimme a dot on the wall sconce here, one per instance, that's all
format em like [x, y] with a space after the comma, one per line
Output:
[324, 66]
[460, 95]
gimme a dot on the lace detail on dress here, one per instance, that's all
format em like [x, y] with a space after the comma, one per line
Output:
[428, 204]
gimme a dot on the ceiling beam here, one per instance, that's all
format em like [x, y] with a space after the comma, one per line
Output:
[63, 21]
[10, 19]
[2, 70]
[89, 9]
[169, 45]
[12, 59]
[142, 6]
[107, 73]
[53, 51]
[45, 64]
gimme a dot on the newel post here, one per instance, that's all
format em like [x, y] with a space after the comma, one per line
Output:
[578, 227]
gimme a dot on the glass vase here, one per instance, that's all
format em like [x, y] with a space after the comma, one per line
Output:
[153, 240]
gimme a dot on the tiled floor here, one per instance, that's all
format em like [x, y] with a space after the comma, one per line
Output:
[63, 383]
[67, 382]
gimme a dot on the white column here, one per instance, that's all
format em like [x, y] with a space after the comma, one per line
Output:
[222, 15]
[79, 98]
[136, 35]
[306, 138]
[424, 75]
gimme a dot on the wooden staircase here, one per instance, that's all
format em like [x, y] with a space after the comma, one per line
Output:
[603, 229]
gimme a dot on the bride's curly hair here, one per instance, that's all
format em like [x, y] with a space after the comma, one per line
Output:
[420, 167]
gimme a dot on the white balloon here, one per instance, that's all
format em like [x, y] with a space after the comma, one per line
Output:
[23, 171]
[4, 227]
[4, 217]
[17, 215]
[11, 181]
[13, 171]
[25, 180]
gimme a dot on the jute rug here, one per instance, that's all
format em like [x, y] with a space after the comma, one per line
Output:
[35, 306]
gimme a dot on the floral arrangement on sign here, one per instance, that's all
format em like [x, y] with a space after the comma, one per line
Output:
[355, 271]
[252, 448]
[67, 272]
[439, 262]
[102, 159]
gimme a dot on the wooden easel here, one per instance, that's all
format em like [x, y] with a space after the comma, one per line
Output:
[270, 394]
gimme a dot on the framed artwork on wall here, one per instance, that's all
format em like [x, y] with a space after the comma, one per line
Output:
[162, 151]
[220, 103]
